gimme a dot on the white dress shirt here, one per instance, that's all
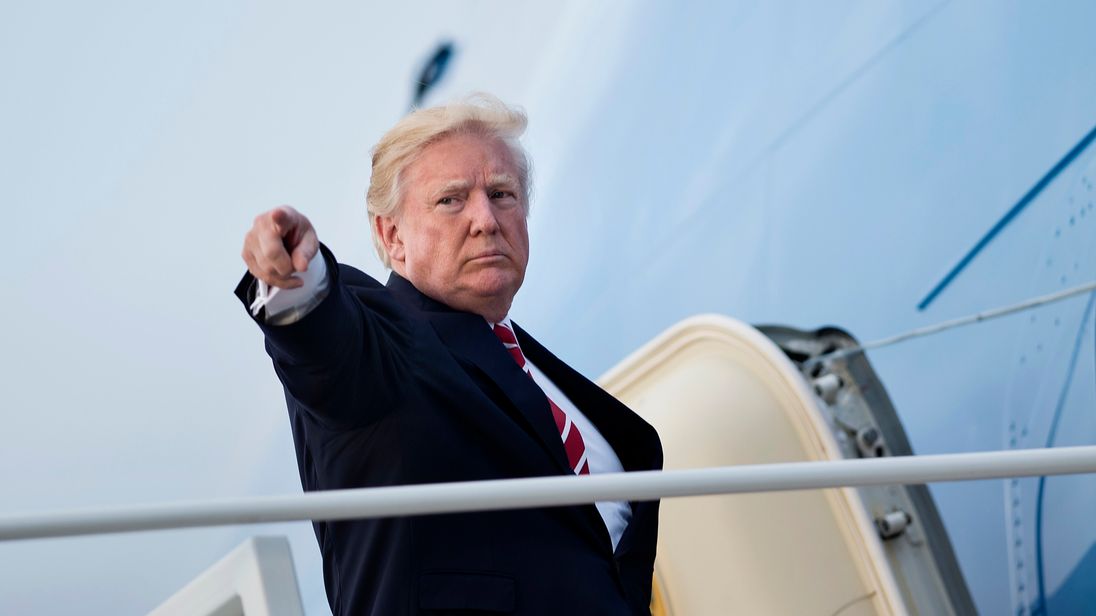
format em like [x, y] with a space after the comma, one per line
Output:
[599, 453]
[285, 306]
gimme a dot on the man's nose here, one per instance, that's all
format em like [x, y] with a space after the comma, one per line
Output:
[482, 212]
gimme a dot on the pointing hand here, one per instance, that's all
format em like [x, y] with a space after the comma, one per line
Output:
[280, 242]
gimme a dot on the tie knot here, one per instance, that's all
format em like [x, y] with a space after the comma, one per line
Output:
[504, 334]
[510, 342]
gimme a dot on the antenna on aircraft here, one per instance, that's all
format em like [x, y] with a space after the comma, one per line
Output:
[432, 72]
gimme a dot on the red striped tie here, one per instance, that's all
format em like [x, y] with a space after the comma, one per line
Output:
[568, 431]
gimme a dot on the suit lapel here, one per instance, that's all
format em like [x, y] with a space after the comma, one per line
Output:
[635, 441]
[470, 339]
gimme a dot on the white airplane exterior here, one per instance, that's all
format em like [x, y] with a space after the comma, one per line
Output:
[875, 167]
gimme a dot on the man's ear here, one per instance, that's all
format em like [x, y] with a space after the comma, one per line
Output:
[388, 229]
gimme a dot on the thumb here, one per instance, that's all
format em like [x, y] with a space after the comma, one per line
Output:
[306, 248]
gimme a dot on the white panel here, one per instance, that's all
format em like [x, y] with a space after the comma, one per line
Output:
[255, 579]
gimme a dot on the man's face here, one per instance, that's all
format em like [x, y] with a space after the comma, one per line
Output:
[461, 235]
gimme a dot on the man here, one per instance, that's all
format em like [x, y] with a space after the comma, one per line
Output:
[426, 379]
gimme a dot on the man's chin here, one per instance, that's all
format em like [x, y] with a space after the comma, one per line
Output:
[494, 285]
[501, 289]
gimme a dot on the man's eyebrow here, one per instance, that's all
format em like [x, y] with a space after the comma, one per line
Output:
[450, 186]
[501, 179]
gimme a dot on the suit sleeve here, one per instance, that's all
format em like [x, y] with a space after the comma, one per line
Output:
[340, 362]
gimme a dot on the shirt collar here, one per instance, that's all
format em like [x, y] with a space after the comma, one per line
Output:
[505, 321]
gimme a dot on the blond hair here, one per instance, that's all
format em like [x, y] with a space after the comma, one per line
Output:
[480, 114]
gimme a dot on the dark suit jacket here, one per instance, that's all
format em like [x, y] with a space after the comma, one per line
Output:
[386, 386]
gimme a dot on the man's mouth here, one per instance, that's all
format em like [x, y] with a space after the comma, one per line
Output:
[494, 254]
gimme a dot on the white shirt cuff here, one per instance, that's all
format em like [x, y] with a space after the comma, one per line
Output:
[284, 306]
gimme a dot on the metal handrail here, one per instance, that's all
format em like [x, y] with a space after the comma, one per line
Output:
[550, 491]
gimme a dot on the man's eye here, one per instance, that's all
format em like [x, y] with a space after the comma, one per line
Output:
[501, 194]
[445, 201]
